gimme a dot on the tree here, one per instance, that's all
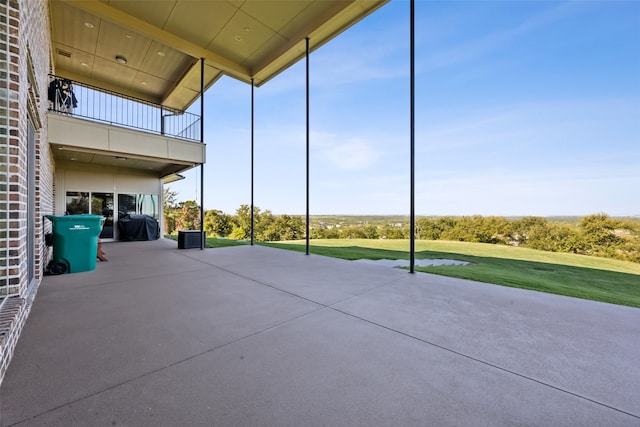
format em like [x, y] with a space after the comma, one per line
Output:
[599, 229]
[370, 232]
[629, 231]
[169, 198]
[564, 238]
[492, 229]
[189, 216]
[284, 227]
[390, 231]
[242, 227]
[530, 231]
[170, 210]
[217, 223]
[446, 224]
[262, 222]
[325, 233]
[428, 229]
[353, 232]
[599, 234]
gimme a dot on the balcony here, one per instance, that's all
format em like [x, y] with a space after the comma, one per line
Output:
[251, 335]
[76, 99]
[98, 126]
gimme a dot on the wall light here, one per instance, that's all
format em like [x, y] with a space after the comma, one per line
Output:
[121, 59]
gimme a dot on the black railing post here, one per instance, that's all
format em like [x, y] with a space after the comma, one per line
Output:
[161, 120]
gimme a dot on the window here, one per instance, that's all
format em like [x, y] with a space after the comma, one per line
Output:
[102, 204]
[148, 204]
[77, 203]
[84, 202]
[126, 205]
[140, 204]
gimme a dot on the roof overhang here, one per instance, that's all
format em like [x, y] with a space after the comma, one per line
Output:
[163, 41]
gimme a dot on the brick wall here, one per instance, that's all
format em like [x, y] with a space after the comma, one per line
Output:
[24, 68]
[37, 37]
[4, 144]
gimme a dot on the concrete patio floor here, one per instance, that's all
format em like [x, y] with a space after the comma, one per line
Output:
[255, 336]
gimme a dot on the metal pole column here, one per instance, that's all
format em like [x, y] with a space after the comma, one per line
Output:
[307, 56]
[252, 126]
[161, 120]
[412, 221]
[202, 239]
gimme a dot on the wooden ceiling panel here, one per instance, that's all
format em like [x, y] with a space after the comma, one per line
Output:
[149, 85]
[263, 54]
[67, 57]
[242, 36]
[165, 62]
[155, 12]
[115, 40]
[200, 21]
[275, 14]
[311, 18]
[69, 29]
[113, 73]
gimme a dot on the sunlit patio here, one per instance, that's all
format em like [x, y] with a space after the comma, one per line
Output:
[255, 336]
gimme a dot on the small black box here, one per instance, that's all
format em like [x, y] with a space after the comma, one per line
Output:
[189, 239]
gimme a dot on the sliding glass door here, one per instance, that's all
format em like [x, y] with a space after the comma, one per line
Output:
[138, 204]
[102, 204]
[84, 202]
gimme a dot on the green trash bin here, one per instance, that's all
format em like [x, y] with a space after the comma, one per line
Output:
[75, 241]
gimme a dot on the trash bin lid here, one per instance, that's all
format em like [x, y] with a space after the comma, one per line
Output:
[73, 217]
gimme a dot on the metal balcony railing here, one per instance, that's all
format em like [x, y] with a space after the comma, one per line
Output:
[93, 103]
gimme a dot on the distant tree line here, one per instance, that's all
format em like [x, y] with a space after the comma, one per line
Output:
[267, 227]
[597, 235]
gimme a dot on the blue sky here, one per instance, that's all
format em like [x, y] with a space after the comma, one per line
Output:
[522, 108]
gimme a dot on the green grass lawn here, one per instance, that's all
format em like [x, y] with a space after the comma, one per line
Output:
[598, 279]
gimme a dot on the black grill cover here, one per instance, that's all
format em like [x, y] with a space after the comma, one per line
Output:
[138, 227]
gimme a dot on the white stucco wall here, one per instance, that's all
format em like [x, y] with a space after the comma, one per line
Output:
[70, 176]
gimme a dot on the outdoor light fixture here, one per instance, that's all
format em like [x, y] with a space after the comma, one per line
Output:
[121, 59]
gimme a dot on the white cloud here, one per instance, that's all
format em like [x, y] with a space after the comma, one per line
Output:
[349, 154]
[476, 47]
